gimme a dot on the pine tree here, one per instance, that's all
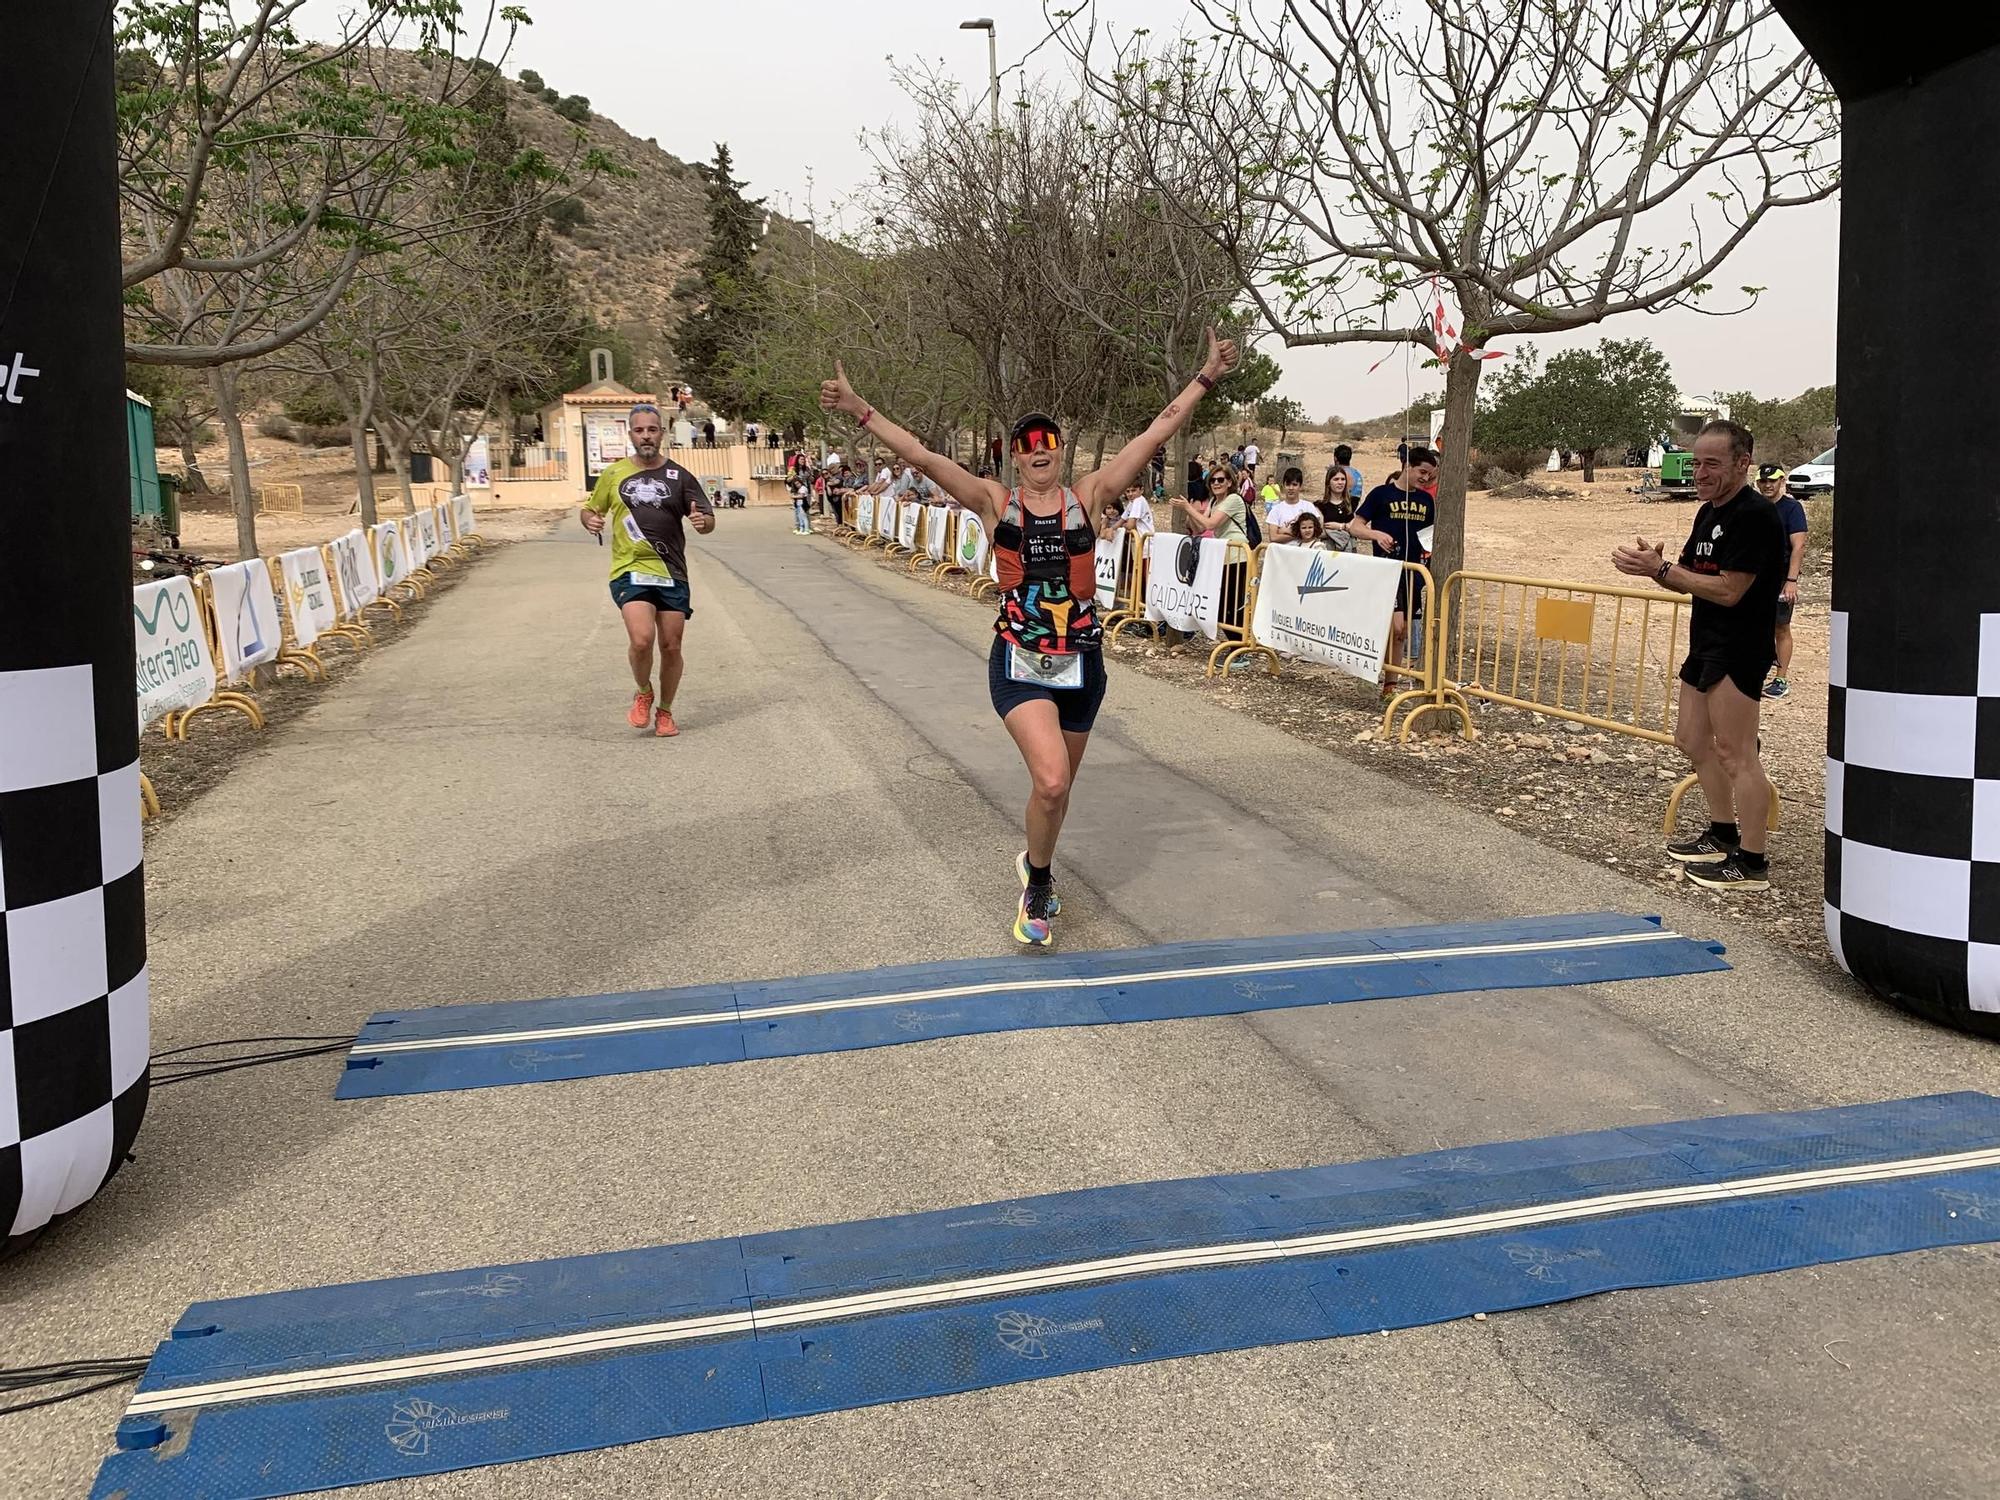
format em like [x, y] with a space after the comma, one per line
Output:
[722, 304]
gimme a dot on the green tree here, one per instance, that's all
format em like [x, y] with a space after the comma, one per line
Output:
[574, 108]
[723, 303]
[1281, 413]
[1787, 432]
[532, 81]
[1245, 385]
[1621, 393]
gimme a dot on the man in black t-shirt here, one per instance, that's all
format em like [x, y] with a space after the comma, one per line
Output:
[1734, 565]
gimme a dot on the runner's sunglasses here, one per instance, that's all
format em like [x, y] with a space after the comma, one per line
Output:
[1037, 438]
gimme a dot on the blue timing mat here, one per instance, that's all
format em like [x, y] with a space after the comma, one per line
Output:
[308, 1390]
[534, 1041]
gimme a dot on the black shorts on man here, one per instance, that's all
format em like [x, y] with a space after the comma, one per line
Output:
[1741, 535]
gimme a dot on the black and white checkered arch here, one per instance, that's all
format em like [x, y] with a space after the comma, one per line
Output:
[1913, 816]
[73, 1014]
[1913, 722]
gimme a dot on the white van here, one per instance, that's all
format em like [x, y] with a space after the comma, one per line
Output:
[1815, 478]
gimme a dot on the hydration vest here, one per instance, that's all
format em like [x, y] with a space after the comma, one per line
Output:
[1010, 564]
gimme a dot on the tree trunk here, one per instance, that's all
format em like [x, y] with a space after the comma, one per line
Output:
[197, 482]
[399, 460]
[222, 382]
[1589, 457]
[364, 474]
[1461, 384]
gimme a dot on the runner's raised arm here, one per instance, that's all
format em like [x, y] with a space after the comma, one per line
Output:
[981, 496]
[1127, 463]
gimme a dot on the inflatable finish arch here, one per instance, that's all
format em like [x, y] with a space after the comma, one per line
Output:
[73, 1027]
[1913, 717]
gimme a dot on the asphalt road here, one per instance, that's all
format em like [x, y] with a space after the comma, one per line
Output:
[468, 818]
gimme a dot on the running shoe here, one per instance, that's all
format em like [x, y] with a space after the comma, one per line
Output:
[642, 709]
[1730, 875]
[1701, 850]
[1021, 869]
[664, 725]
[1031, 918]
[1777, 687]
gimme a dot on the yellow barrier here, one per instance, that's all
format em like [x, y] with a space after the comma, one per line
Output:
[281, 499]
[1602, 655]
[1240, 567]
[1128, 604]
[149, 800]
[1597, 654]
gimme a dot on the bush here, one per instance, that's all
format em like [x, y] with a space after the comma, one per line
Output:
[550, 96]
[576, 108]
[567, 215]
[275, 424]
[1819, 524]
[325, 435]
[313, 407]
[532, 81]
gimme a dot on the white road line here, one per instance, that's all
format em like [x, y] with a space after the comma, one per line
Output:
[1040, 1278]
[962, 991]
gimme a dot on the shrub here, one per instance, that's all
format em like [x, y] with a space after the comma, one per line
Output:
[1819, 524]
[325, 435]
[532, 81]
[576, 108]
[313, 407]
[567, 215]
[276, 424]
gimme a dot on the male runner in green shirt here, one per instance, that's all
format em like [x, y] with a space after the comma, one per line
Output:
[643, 502]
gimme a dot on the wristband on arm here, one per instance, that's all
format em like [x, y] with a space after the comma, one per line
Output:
[1207, 384]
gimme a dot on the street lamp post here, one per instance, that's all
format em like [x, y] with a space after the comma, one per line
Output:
[985, 24]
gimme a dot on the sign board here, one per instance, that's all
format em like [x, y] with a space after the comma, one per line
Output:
[307, 596]
[354, 573]
[864, 513]
[906, 524]
[461, 516]
[937, 531]
[1184, 581]
[605, 441]
[174, 667]
[1328, 607]
[1110, 568]
[972, 543]
[246, 616]
[479, 465]
[392, 555]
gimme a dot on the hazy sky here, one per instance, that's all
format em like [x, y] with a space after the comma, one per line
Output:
[791, 84]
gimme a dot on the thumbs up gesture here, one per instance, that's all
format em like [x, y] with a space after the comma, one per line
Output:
[837, 395]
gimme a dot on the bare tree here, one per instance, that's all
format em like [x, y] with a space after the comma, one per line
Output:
[1543, 164]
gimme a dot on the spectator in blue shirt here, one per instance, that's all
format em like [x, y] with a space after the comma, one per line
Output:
[1792, 515]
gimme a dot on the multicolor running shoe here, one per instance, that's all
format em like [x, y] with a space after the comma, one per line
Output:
[642, 709]
[1032, 926]
[1021, 869]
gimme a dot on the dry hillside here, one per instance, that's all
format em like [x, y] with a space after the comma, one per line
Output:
[642, 233]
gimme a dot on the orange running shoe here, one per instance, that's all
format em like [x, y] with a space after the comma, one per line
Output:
[642, 709]
[664, 725]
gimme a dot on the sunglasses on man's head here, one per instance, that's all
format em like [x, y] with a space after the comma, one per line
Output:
[1035, 439]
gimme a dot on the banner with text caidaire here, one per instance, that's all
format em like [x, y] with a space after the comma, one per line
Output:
[1330, 607]
[1184, 581]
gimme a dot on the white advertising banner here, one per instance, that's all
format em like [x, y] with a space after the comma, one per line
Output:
[1184, 581]
[425, 532]
[443, 513]
[864, 513]
[479, 465]
[906, 524]
[972, 544]
[174, 667]
[246, 616]
[1110, 568]
[392, 555]
[461, 516]
[354, 573]
[307, 595]
[1330, 607]
[937, 531]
